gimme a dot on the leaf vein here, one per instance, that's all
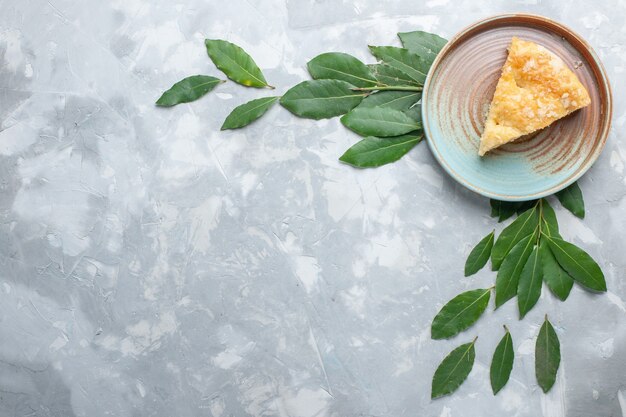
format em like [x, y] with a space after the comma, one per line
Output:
[417, 139]
[463, 311]
[348, 74]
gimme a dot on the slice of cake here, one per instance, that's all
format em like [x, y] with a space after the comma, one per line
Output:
[535, 89]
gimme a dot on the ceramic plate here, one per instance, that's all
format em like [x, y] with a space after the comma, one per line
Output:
[456, 97]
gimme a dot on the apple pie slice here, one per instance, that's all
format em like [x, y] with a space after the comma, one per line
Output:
[535, 89]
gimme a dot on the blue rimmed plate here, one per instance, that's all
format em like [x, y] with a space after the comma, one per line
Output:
[459, 89]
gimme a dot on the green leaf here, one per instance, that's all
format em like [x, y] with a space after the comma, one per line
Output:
[548, 219]
[415, 113]
[235, 63]
[501, 209]
[502, 363]
[547, 356]
[188, 89]
[373, 152]
[247, 113]
[577, 263]
[424, 44]
[507, 279]
[460, 313]
[572, 199]
[479, 256]
[404, 60]
[379, 121]
[453, 370]
[418, 38]
[522, 206]
[530, 280]
[555, 277]
[397, 100]
[340, 66]
[321, 99]
[506, 209]
[521, 227]
[388, 75]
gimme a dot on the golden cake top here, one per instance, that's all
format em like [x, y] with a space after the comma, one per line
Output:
[535, 89]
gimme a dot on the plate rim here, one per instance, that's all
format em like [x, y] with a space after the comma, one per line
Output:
[546, 22]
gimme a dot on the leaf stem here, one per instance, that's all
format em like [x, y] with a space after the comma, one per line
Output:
[388, 88]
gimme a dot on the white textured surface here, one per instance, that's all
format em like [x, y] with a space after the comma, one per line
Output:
[153, 266]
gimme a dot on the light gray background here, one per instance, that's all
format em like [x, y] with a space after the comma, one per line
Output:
[151, 265]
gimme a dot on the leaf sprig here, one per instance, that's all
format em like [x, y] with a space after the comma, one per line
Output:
[380, 102]
[528, 252]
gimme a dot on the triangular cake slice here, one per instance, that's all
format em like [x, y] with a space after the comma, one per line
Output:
[535, 89]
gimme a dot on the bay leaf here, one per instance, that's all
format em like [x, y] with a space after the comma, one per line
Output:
[397, 100]
[404, 60]
[548, 218]
[572, 199]
[415, 113]
[522, 206]
[233, 61]
[424, 44]
[460, 313]
[506, 209]
[390, 76]
[502, 209]
[555, 277]
[379, 121]
[521, 227]
[502, 363]
[187, 90]
[418, 41]
[530, 282]
[547, 356]
[249, 112]
[340, 66]
[479, 256]
[374, 152]
[453, 370]
[321, 99]
[507, 279]
[577, 263]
